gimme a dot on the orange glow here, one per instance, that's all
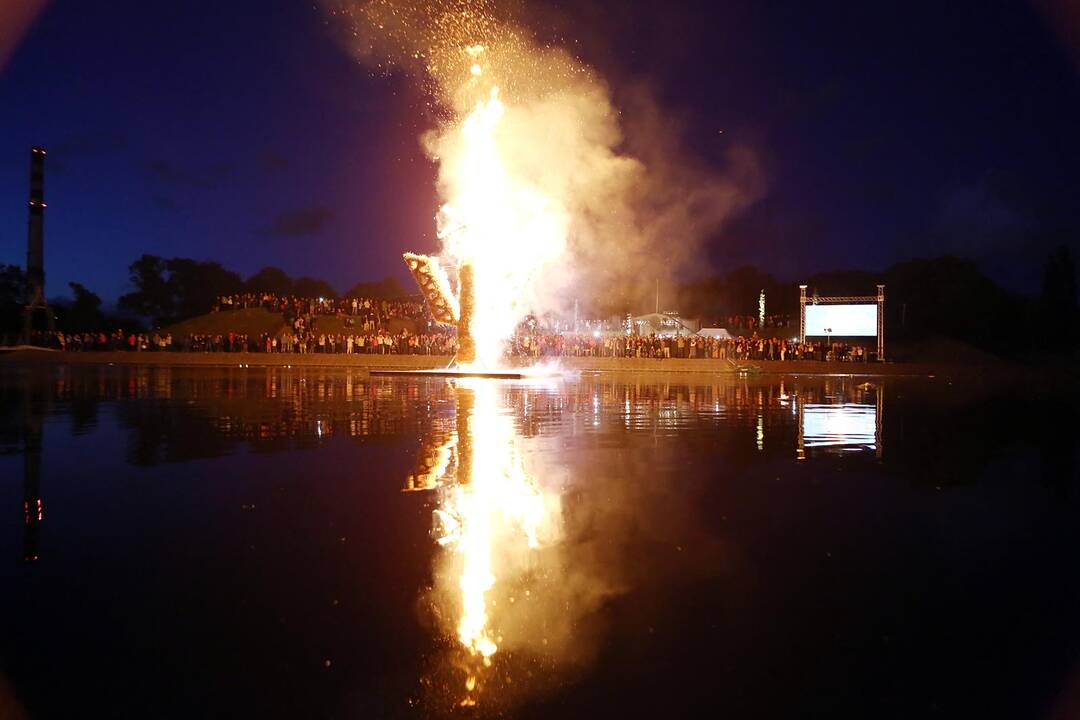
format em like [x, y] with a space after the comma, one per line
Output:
[494, 504]
[498, 222]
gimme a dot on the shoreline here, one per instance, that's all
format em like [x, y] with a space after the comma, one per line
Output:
[429, 362]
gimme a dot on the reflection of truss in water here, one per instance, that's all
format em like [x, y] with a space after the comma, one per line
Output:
[842, 427]
[436, 462]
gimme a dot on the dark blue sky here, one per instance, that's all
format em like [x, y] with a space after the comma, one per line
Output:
[243, 132]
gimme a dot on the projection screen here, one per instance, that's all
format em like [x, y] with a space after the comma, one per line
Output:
[841, 320]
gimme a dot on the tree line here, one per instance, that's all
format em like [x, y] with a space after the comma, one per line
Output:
[925, 297]
[166, 291]
[170, 290]
[945, 296]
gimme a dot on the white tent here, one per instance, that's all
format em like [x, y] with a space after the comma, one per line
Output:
[718, 333]
[664, 324]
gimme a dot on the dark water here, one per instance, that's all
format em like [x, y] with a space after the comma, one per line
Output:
[239, 543]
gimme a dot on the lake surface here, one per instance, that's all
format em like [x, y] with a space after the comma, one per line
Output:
[294, 543]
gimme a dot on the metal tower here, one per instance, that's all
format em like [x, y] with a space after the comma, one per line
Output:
[35, 246]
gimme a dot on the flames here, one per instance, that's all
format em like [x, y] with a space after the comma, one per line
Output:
[543, 191]
[499, 228]
[531, 154]
[496, 220]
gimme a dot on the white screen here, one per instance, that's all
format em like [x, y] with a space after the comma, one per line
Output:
[843, 320]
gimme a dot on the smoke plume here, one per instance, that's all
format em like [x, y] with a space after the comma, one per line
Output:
[637, 205]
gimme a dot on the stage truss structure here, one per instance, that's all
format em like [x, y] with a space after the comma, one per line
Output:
[878, 300]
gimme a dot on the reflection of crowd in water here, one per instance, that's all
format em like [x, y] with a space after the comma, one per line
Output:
[666, 399]
[272, 409]
[280, 408]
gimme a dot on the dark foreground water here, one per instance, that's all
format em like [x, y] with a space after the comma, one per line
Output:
[289, 543]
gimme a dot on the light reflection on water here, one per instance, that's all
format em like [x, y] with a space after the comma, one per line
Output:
[847, 426]
[282, 408]
[537, 489]
[492, 515]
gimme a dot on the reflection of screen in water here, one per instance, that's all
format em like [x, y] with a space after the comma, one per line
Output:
[847, 426]
[843, 320]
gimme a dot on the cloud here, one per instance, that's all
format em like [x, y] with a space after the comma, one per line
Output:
[272, 162]
[205, 178]
[94, 142]
[163, 202]
[1002, 212]
[303, 222]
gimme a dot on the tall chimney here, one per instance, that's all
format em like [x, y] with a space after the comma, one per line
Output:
[35, 243]
[35, 247]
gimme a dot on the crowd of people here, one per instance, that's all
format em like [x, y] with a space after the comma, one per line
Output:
[688, 347]
[365, 328]
[372, 343]
[381, 342]
[372, 309]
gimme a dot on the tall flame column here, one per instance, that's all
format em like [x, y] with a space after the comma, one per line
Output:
[466, 353]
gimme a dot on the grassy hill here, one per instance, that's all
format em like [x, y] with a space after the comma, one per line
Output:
[256, 321]
[251, 321]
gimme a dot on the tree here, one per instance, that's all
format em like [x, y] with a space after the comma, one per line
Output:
[1058, 303]
[152, 297]
[950, 297]
[270, 280]
[843, 282]
[176, 289]
[309, 287]
[714, 298]
[12, 284]
[12, 298]
[84, 314]
[385, 289]
[196, 285]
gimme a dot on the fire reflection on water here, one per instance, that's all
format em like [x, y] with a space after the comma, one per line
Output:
[492, 515]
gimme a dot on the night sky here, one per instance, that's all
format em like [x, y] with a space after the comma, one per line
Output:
[244, 132]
